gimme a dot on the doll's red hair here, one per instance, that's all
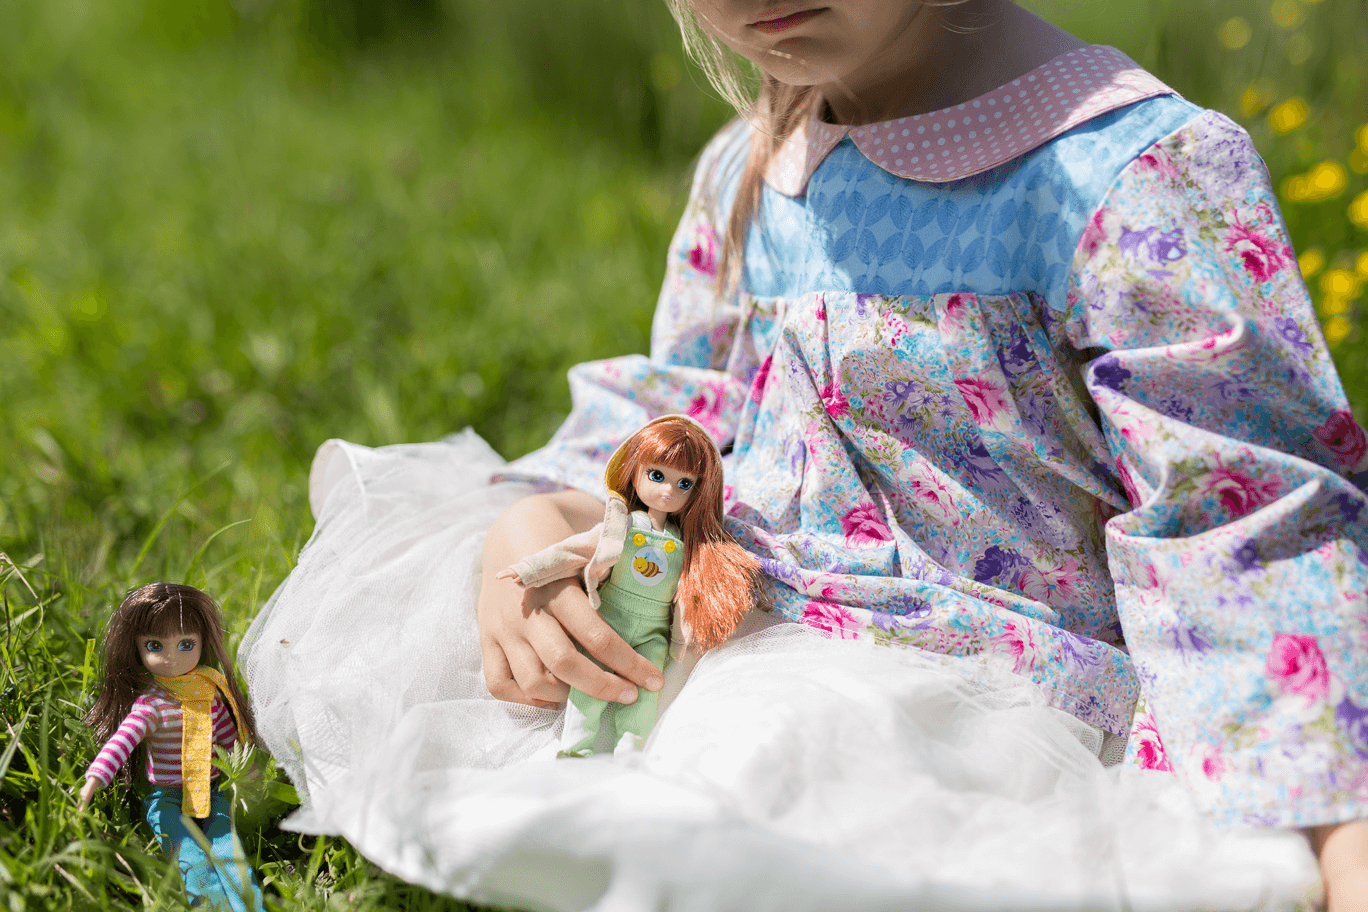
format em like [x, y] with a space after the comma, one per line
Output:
[720, 579]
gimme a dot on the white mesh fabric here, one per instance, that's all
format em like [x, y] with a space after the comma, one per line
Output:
[790, 772]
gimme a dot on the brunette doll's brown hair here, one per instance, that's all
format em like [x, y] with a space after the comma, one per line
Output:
[720, 579]
[158, 608]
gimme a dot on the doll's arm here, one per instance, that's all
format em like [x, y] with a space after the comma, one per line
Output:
[92, 785]
[563, 559]
[225, 730]
[137, 725]
[679, 635]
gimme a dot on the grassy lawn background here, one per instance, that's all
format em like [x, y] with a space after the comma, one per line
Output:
[232, 230]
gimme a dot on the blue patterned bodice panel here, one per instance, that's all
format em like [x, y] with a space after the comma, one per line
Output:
[1014, 228]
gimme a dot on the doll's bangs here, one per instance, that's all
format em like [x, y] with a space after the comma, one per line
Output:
[169, 618]
[174, 612]
[683, 452]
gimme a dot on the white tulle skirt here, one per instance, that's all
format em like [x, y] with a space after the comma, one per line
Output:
[788, 772]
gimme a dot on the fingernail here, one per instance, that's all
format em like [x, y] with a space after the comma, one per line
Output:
[628, 696]
[655, 683]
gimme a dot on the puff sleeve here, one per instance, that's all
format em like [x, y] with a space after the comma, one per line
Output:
[1241, 570]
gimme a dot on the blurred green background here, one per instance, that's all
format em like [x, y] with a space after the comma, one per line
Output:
[232, 229]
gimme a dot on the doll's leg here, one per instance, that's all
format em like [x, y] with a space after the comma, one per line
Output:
[634, 722]
[238, 880]
[196, 870]
[202, 881]
[583, 715]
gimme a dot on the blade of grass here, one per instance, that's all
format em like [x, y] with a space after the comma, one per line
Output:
[152, 536]
[46, 836]
[194, 561]
[14, 569]
[13, 746]
[88, 669]
[133, 876]
[73, 881]
[9, 639]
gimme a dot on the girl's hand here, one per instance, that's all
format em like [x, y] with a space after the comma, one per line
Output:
[1343, 851]
[528, 636]
[92, 785]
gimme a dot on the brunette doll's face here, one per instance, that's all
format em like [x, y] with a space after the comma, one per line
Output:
[812, 42]
[665, 489]
[169, 654]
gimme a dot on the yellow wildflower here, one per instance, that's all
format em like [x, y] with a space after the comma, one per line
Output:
[1288, 116]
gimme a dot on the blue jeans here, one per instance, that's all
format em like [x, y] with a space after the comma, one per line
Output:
[212, 881]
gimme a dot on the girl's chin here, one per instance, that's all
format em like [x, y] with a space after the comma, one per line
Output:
[796, 76]
[799, 70]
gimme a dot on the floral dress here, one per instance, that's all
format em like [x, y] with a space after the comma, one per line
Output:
[1035, 380]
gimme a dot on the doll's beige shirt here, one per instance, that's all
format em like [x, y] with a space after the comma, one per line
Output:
[596, 551]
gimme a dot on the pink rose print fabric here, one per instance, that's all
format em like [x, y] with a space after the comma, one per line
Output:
[1296, 665]
[863, 527]
[833, 620]
[1130, 474]
[1343, 437]
[1145, 748]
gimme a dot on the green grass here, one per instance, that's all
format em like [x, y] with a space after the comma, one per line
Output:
[231, 230]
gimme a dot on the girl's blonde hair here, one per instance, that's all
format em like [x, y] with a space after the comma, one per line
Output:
[720, 579]
[158, 609]
[774, 111]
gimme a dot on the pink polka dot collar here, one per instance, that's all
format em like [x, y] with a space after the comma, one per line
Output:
[967, 139]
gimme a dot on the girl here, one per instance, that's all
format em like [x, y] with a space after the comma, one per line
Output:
[1015, 371]
[669, 468]
[156, 691]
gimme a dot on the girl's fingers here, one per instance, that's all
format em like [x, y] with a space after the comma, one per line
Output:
[579, 619]
[499, 676]
[577, 670]
[543, 609]
[538, 685]
[516, 637]
[532, 658]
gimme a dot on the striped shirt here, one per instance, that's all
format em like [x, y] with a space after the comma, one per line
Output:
[157, 716]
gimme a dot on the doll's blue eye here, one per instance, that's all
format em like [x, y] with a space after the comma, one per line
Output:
[187, 645]
[656, 475]
[685, 484]
[153, 646]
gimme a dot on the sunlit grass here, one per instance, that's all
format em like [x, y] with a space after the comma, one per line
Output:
[224, 240]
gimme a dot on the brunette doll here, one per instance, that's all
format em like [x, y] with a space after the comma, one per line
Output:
[661, 544]
[155, 691]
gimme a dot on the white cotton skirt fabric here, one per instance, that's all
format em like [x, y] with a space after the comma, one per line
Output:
[787, 771]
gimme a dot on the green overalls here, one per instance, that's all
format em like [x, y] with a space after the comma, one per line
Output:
[636, 602]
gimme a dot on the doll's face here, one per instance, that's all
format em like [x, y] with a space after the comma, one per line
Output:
[665, 489]
[169, 655]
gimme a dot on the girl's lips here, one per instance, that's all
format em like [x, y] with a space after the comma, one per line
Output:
[785, 23]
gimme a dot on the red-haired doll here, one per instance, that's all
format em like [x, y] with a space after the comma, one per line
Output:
[661, 544]
[155, 692]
